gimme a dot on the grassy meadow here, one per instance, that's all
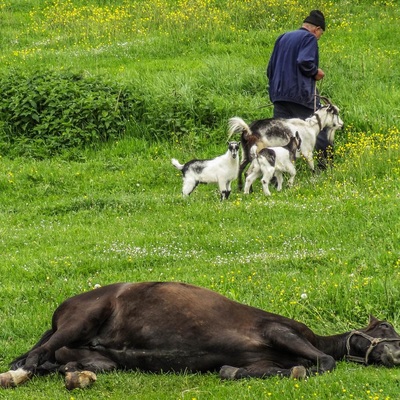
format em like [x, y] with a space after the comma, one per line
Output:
[325, 252]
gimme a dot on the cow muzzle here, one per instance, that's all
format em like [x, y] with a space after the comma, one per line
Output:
[389, 349]
[390, 356]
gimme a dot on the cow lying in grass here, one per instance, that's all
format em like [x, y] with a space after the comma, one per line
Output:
[170, 326]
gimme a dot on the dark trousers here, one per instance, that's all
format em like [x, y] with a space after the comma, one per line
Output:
[286, 109]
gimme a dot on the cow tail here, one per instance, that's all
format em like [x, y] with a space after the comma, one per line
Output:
[20, 361]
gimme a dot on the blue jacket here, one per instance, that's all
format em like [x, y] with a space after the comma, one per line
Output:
[292, 68]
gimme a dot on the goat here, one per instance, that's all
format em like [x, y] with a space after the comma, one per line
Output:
[277, 132]
[274, 161]
[325, 154]
[222, 170]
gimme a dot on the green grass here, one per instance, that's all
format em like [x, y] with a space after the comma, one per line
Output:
[166, 47]
[119, 216]
[116, 214]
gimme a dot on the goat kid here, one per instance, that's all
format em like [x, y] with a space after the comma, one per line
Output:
[222, 170]
[273, 161]
[277, 132]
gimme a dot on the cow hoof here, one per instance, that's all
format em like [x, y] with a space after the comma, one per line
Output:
[298, 372]
[79, 379]
[6, 380]
[12, 379]
[228, 372]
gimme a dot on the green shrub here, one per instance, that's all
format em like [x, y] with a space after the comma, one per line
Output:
[43, 113]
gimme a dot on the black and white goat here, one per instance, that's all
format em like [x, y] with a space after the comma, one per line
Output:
[274, 161]
[222, 170]
[277, 132]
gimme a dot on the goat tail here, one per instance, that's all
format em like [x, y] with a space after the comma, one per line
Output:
[177, 164]
[236, 125]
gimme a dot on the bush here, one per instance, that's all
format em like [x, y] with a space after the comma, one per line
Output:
[43, 113]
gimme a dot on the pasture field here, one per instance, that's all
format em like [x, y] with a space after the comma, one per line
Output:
[326, 252]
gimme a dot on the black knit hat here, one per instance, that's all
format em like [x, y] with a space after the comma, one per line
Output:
[316, 18]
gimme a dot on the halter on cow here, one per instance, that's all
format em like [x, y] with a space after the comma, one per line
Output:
[373, 343]
[170, 326]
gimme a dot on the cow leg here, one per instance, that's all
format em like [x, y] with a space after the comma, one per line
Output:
[300, 353]
[20, 374]
[12, 378]
[294, 343]
[46, 352]
[261, 371]
[80, 365]
[70, 330]
[79, 359]
[79, 379]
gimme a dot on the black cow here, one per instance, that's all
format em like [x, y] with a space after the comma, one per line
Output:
[173, 326]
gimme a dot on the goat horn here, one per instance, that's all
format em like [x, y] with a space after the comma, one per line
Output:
[325, 99]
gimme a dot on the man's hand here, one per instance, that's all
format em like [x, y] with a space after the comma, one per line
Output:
[320, 74]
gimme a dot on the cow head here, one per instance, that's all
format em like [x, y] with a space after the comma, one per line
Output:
[378, 343]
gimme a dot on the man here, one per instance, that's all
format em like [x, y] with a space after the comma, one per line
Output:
[293, 71]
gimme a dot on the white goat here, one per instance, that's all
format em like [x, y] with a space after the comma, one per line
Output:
[277, 132]
[222, 170]
[274, 161]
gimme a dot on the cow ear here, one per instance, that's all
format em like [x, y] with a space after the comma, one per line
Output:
[372, 320]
